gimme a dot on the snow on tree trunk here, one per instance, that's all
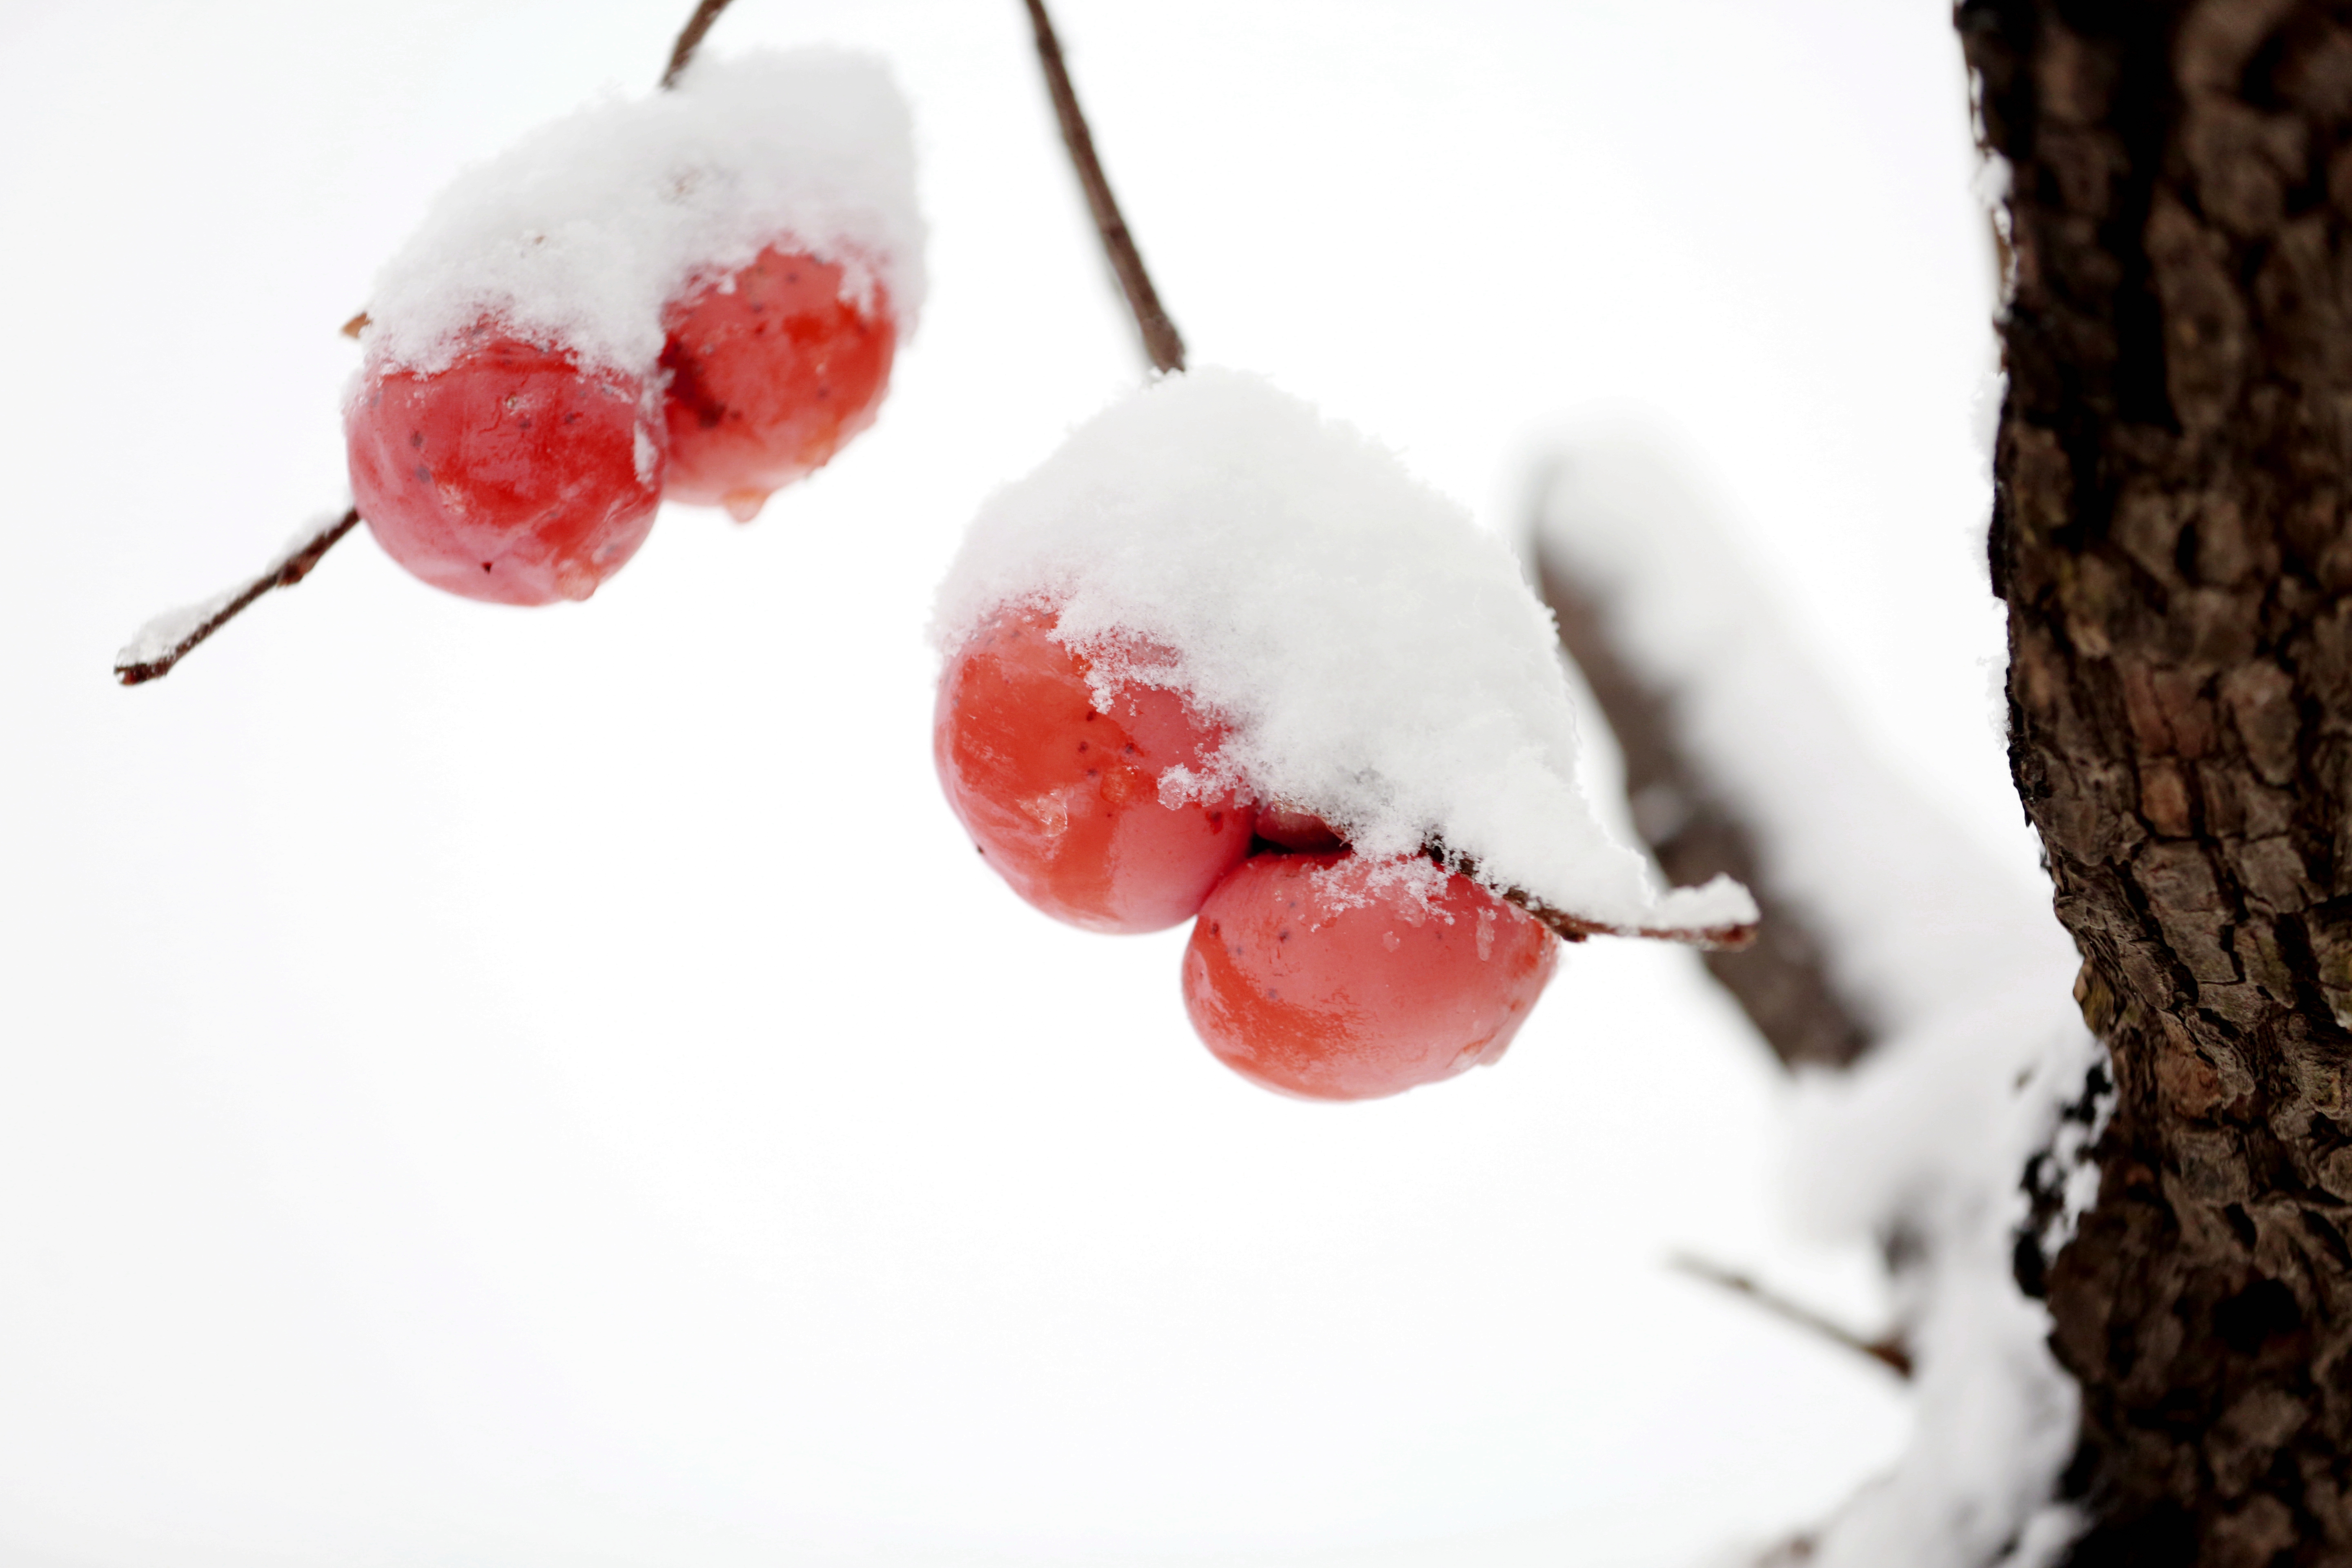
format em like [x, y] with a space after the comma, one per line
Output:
[2174, 461]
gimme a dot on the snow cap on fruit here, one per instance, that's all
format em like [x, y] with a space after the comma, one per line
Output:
[577, 235]
[1377, 660]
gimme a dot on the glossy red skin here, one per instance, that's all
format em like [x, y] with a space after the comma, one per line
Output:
[1063, 798]
[770, 372]
[1304, 978]
[512, 476]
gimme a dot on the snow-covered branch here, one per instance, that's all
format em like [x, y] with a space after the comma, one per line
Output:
[1779, 981]
[164, 641]
[1955, 971]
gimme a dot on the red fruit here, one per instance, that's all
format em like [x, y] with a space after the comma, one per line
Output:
[771, 370]
[514, 475]
[1308, 974]
[1063, 797]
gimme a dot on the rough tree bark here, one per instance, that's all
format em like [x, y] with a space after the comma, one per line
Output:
[2170, 535]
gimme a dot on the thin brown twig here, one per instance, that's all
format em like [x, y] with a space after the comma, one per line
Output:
[1576, 928]
[690, 40]
[135, 664]
[1161, 341]
[1887, 1352]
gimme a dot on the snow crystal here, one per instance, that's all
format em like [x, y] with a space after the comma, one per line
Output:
[1963, 971]
[1377, 659]
[581, 232]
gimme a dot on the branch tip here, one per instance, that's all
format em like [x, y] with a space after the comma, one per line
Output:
[181, 631]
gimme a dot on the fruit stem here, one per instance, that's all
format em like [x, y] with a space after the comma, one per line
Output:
[690, 40]
[135, 665]
[1161, 341]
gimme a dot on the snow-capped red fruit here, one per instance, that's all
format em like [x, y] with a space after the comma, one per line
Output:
[513, 475]
[1063, 797]
[771, 370]
[1298, 830]
[1330, 977]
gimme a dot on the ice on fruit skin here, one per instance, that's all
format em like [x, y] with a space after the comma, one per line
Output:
[578, 235]
[1377, 660]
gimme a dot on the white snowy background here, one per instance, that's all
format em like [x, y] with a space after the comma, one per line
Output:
[493, 1087]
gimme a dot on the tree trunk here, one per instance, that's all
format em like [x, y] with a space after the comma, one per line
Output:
[2174, 469]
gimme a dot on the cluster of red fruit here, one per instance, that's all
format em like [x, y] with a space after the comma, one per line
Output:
[1310, 970]
[520, 475]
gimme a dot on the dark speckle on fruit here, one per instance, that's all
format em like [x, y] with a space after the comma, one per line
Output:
[415, 439]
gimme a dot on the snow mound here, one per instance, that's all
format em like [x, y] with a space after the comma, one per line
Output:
[579, 233]
[1378, 659]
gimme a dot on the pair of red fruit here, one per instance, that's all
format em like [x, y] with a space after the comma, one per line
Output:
[518, 474]
[1310, 970]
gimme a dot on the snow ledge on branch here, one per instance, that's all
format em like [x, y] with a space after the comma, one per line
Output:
[1375, 659]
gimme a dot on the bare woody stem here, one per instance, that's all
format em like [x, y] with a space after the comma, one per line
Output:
[690, 40]
[1888, 1352]
[137, 665]
[1161, 341]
